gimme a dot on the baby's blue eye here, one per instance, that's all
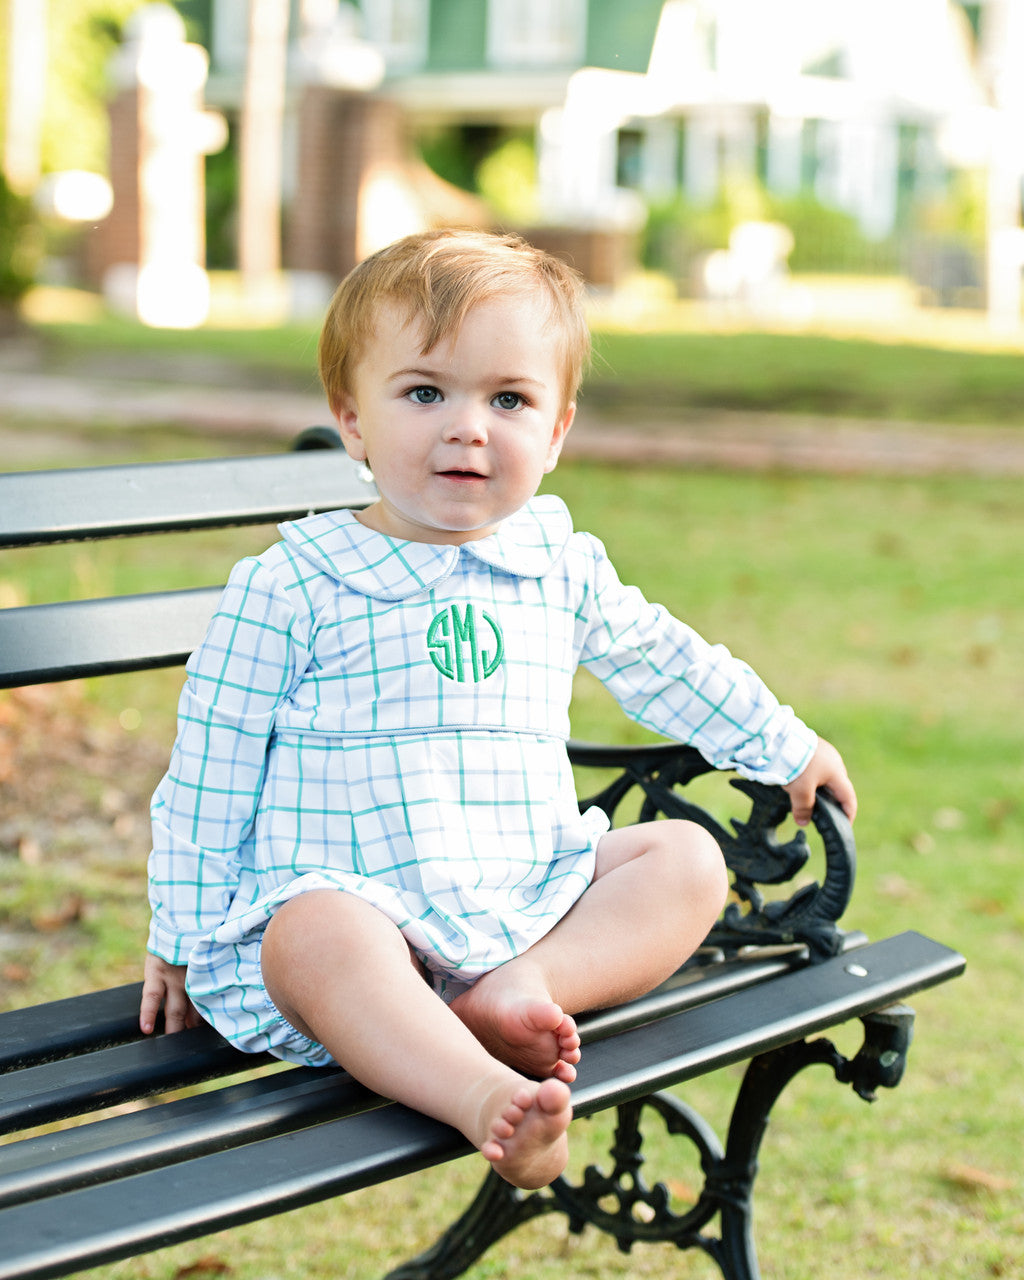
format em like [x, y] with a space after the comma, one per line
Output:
[508, 400]
[425, 395]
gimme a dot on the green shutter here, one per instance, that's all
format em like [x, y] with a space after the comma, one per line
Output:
[458, 35]
[620, 35]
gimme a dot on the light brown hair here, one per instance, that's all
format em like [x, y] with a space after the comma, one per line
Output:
[439, 276]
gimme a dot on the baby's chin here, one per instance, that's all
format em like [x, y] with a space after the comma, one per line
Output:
[409, 529]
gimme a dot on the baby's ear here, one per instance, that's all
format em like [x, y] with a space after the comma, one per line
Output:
[561, 430]
[347, 417]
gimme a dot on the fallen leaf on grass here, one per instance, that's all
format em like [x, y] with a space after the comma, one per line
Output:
[904, 655]
[897, 888]
[206, 1266]
[683, 1191]
[987, 907]
[68, 912]
[30, 851]
[998, 811]
[970, 1178]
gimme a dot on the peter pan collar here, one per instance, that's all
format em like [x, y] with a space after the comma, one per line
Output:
[526, 545]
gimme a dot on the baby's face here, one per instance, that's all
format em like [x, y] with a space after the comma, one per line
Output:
[460, 437]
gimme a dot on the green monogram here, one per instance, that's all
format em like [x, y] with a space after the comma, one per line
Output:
[457, 647]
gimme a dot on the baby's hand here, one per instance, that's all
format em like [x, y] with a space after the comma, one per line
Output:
[826, 769]
[164, 984]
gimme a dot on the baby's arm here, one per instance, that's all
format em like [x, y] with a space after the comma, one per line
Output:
[204, 806]
[669, 678]
[826, 769]
[164, 984]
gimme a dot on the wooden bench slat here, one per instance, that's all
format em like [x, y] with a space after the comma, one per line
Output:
[39, 507]
[800, 1003]
[98, 1019]
[229, 1116]
[94, 1020]
[100, 1224]
[96, 1225]
[109, 1077]
[75, 638]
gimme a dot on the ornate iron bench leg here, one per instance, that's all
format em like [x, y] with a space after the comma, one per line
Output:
[497, 1209]
[624, 1206]
[880, 1062]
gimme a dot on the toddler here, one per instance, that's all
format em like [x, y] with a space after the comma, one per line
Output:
[367, 847]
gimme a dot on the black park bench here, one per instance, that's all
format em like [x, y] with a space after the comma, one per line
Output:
[775, 973]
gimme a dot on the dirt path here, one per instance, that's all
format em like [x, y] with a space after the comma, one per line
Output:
[37, 409]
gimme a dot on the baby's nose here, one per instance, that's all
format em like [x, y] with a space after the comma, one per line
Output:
[466, 424]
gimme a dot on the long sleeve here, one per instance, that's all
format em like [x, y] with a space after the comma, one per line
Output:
[204, 808]
[666, 677]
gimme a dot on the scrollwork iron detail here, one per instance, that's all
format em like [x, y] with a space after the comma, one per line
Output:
[753, 850]
[621, 1203]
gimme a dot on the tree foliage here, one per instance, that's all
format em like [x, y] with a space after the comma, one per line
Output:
[81, 38]
[19, 248]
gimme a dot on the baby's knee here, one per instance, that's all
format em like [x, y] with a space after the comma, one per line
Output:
[304, 931]
[697, 860]
[312, 944]
[297, 916]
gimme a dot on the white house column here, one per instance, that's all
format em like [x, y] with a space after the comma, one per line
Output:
[701, 168]
[785, 154]
[578, 151]
[867, 172]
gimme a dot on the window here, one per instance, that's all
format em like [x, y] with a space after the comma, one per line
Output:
[230, 35]
[536, 33]
[399, 30]
[630, 159]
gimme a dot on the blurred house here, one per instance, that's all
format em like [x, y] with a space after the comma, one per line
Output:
[866, 105]
[370, 83]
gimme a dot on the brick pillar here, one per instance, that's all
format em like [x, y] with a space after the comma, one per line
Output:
[118, 238]
[344, 139]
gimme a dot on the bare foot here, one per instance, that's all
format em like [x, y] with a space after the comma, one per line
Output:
[527, 1032]
[528, 1144]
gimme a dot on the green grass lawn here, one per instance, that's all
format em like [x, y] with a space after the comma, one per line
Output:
[783, 373]
[889, 612]
[651, 372]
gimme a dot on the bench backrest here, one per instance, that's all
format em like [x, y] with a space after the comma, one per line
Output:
[68, 639]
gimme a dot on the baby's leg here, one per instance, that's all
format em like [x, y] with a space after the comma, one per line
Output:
[657, 890]
[341, 972]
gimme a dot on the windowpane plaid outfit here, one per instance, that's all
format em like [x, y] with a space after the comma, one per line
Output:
[389, 718]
